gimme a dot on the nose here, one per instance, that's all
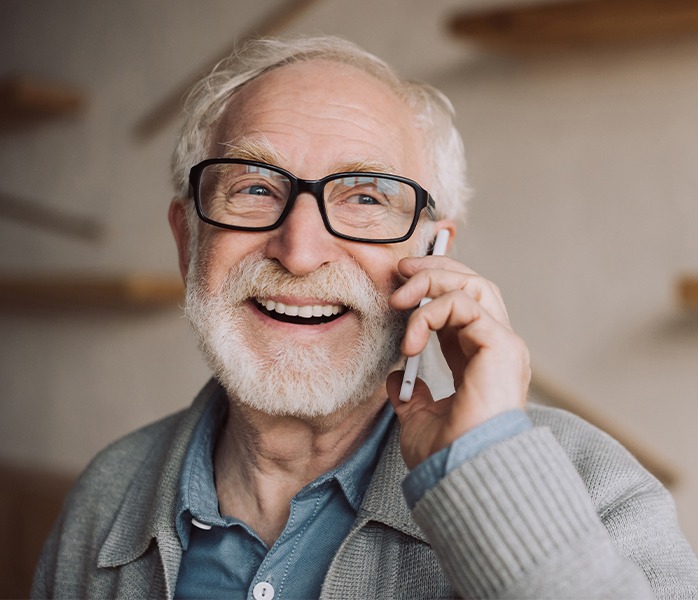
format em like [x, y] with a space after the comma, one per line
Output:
[302, 244]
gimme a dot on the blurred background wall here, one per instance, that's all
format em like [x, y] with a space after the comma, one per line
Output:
[586, 214]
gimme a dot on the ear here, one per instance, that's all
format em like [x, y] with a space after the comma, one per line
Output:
[180, 229]
[451, 226]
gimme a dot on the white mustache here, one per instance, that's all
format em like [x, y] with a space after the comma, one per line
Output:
[343, 284]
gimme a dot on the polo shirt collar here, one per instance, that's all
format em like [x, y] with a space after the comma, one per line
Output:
[197, 492]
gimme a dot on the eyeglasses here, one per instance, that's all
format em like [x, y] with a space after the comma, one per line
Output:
[246, 195]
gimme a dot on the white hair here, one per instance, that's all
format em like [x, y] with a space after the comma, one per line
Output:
[433, 111]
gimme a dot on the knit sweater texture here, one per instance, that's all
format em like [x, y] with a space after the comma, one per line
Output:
[560, 511]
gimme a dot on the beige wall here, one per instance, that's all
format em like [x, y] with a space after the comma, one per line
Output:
[586, 210]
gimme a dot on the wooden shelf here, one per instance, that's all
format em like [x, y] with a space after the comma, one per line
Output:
[687, 292]
[48, 218]
[25, 100]
[576, 24]
[83, 291]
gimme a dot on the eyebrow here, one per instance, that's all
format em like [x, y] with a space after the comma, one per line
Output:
[365, 166]
[256, 150]
[261, 150]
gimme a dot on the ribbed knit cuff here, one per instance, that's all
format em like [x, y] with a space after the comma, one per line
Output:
[428, 473]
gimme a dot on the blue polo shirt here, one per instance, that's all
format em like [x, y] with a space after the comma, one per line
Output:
[224, 558]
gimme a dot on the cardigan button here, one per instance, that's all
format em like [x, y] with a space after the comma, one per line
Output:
[263, 591]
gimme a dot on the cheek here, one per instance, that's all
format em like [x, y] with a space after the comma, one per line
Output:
[380, 264]
[219, 251]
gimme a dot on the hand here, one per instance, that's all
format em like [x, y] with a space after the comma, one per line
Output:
[489, 362]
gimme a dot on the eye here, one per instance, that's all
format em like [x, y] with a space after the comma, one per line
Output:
[255, 190]
[363, 199]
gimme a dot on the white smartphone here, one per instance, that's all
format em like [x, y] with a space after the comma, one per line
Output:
[412, 365]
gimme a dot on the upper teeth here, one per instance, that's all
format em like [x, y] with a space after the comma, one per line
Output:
[307, 311]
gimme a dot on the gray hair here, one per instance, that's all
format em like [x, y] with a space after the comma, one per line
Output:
[433, 110]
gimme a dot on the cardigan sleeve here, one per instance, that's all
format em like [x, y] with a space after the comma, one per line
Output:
[529, 519]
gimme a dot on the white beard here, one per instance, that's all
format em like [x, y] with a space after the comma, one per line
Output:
[304, 380]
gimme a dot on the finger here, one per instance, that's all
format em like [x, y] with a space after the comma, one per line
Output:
[409, 265]
[433, 282]
[473, 332]
[422, 321]
[430, 283]
[420, 421]
[421, 395]
[458, 310]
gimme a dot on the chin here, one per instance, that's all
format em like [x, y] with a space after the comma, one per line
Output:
[306, 381]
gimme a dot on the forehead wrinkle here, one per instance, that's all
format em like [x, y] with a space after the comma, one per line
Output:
[261, 150]
[385, 150]
[326, 123]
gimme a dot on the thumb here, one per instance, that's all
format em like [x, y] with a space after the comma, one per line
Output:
[421, 395]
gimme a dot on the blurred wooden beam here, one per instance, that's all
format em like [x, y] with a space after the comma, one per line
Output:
[84, 291]
[575, 24]
[39, 215]
[170, 107]
[25, 100]
[687, 292]
[549, 393]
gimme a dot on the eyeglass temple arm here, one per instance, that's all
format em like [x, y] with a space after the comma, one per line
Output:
[431, 208]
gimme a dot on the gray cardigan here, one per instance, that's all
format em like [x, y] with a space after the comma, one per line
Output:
[560, 511]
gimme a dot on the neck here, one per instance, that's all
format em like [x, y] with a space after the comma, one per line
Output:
[262, 461]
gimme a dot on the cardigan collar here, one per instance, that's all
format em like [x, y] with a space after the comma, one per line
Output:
[384, 501]
[147, 512]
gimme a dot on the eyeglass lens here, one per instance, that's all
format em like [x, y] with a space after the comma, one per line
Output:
[359, 205]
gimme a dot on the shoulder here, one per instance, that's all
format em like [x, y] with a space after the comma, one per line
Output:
[610, 472]
[583, 442]
[115, 466]
[124, 488]
[142, 452]
[68, 561]
[135, 461]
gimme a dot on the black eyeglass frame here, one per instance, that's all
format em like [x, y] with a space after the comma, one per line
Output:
[314, 187]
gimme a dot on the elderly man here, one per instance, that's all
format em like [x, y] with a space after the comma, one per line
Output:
[302, 220]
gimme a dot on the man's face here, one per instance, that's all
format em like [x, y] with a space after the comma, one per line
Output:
[312, 119]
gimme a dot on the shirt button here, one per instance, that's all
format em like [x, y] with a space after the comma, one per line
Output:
[263, 591]
[199, 524]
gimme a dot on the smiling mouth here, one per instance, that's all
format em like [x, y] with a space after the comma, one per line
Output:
[315, 314]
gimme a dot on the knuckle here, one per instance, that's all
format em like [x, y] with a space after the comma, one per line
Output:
[521, 346]
[518, 345]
